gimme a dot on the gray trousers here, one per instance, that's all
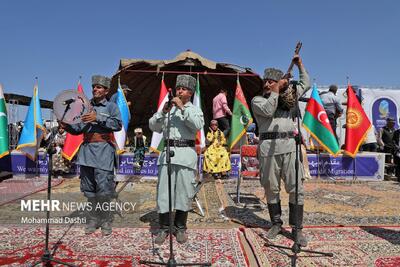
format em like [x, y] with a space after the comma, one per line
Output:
[275, 168]
[97, 182]
[183, 181]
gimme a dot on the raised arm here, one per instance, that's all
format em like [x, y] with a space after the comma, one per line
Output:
[265, 107]
[304, 83]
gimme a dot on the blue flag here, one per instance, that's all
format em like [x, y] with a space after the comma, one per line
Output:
[120, 136]
[33, 130]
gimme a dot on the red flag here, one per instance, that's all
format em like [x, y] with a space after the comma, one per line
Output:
[357, 124]
[157, 143]
[200, 137]
[72, 142]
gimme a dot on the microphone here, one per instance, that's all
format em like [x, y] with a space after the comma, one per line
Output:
[69, 101]
[170, 97]
[304, 99]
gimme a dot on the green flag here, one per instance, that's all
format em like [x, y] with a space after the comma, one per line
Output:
[241, 117]
[3, 125]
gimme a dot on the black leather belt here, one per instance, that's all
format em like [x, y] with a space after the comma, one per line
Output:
[180, 143]
[276, 135]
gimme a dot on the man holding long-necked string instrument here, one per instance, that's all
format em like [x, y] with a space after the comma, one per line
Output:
[277, 148]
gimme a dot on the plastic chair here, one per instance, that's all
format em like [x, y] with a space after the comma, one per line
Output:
[246, 151]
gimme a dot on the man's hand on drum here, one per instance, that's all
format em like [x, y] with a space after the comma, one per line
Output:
[89, 117]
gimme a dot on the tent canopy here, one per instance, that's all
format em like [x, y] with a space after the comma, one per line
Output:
[144, 78]
[26, 100]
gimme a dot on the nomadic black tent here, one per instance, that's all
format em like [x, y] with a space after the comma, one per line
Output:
[144, 78]
[26, 100]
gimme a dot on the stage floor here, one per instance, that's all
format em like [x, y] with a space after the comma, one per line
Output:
[359, 206]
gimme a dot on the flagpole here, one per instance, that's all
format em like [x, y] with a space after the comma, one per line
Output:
[318, 175]
[355, 157]
[37, 143]
[118, 154]
[200, 169]
[80, 80]
[318, 151]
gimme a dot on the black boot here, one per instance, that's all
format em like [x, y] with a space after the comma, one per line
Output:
[299, 209]
[91, 217]
[106, 215]
[180, 225]
[275, 213]
[163, 219]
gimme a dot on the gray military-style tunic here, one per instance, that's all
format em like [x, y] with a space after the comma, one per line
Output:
[96, 159]
[277, 156]
[184, 126]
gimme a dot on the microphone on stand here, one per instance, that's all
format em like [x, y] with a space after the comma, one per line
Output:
[304, 99]
[170, 97]
[69, 101]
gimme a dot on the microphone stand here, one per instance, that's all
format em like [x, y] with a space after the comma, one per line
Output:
[47, 257]
[296, 248]
[169, 154]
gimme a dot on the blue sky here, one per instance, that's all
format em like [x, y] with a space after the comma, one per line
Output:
[60, 40]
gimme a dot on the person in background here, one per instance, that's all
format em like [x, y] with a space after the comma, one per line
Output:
[216, 159]
[385, 142]
[61, 165]
[370, 144]
[252, 138]
[396, 152]
[385, 136]
[221, 111]
[332, 106]
[126, 90]
[139, 143]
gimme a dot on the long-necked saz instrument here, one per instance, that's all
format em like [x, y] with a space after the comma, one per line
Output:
[287, 97]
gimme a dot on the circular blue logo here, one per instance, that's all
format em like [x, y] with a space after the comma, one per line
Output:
[382, 108]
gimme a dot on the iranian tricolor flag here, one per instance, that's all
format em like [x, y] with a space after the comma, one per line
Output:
[200, 137]
[241, 117]
[3, 125]
[156, 140]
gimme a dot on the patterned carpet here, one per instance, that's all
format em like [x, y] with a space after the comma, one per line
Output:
[22, 246]
[351, 246]
[15, 188]
[215, 237]
[372, 203]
